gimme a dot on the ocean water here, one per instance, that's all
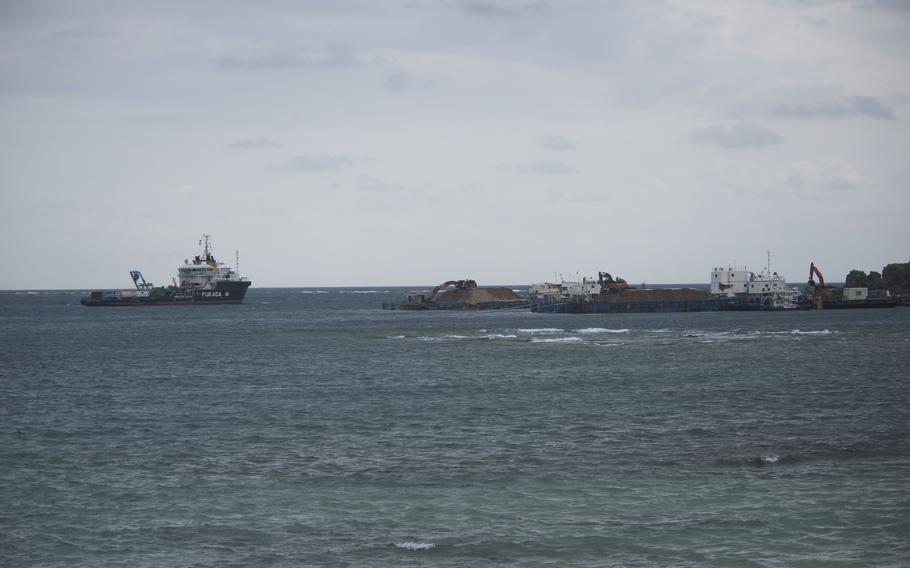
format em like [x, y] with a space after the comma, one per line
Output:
[310, 428]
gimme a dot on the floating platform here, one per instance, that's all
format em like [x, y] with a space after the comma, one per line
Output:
[654, 300]
[463, 299]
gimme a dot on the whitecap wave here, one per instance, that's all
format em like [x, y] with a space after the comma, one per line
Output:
[557, 340]
[396, 337]
[540, 330]
[363, 291]
[415, 545]
[499, 336]
[772, 458]
[818, 332]
[601, 330]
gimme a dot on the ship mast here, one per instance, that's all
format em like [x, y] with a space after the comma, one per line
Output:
[206, 238]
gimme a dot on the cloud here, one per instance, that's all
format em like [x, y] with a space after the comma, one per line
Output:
[836, 107]
[545, 167]
[740, 135]
[314, 163]
[369, 183]
[278, 59]
[900, 5]
[556, 142]
[492, 9]
[398, 81]
[582, 196]
[870, 106]
[254, 143]
[486, 8]
[817, 178]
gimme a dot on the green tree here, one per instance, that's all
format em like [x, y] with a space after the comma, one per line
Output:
[875, 281]
[897, 276]
[857, 279]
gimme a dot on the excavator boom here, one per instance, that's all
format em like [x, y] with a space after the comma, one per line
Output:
[460, 284]
[813, 270]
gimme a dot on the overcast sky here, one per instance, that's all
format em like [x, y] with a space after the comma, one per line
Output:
[395, 143]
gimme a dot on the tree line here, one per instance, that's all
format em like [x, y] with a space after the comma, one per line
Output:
[895, 278]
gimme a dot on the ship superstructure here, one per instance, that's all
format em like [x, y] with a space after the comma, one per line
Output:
[730, 289]
[202, 280]
[766, 288]
[204, 271]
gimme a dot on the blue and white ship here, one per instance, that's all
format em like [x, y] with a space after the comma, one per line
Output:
[200, 281]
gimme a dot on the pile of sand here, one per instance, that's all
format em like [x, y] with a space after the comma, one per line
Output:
[477, 296]
[654, 295]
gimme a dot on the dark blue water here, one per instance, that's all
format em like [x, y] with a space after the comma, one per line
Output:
[314, 429]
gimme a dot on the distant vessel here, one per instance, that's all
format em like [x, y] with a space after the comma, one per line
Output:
[200, 281]
[763, 291]
[825, 297]
[464, 296]
[731, 290]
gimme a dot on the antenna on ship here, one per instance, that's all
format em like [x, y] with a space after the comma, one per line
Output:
[768, 268]
[237, 261]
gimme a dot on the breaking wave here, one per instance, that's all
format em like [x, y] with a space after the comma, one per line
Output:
[540, 330]
[557, 340]
[457, 337]
[363, 291]
[601, 330]
[415, 545]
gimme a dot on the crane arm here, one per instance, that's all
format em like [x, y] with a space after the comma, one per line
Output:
[460, 284]
[443, 285]
[813, 270]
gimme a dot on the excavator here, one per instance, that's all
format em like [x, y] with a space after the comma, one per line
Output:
[610, 284]
[821, 292]
[813, 270]
[459, 284]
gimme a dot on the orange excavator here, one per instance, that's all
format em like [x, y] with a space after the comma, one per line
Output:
[459, 284]
[813, 270]
[610, 284]
[820, 291]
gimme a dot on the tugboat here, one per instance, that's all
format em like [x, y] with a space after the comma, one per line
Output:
[200, 281]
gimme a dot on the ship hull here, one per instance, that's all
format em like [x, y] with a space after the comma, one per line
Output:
[223, 293]
[860, 304]
[657, 305]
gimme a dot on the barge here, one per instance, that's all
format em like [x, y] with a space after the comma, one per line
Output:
[730, 290]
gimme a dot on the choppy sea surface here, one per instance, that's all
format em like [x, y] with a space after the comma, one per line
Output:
[308, 427]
